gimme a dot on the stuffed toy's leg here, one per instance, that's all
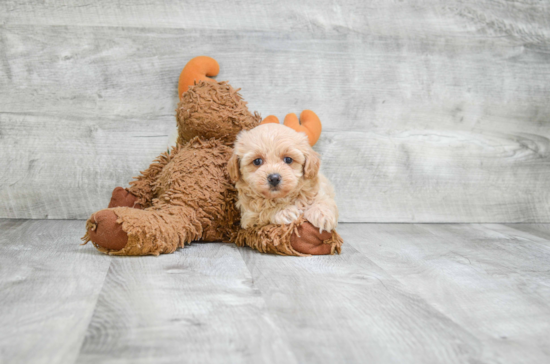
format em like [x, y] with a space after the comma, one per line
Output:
[127, 231]
[154, 231]
[299, 239]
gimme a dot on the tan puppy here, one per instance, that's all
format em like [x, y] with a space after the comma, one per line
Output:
[277, 177]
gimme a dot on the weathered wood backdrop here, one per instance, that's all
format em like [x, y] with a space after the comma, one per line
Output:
[434, 111]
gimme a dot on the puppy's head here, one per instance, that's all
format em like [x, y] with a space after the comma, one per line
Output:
[273, 160]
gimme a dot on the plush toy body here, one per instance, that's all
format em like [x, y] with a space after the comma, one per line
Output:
[187, 194]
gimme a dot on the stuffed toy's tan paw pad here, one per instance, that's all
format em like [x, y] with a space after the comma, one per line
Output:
[308, 240]
[104, 231]
[122, 198]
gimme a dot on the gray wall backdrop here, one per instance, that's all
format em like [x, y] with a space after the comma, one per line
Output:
[433, 111]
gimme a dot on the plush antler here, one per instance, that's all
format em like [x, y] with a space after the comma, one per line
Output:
[310, 124]
[197, 69]
[271, 119]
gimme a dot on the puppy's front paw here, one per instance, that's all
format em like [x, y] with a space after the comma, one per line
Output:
[286, 216]
[321, 217]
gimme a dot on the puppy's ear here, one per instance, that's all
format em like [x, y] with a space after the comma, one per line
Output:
[312, 164]
[234, 168]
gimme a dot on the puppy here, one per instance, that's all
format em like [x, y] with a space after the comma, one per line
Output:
[277, 177]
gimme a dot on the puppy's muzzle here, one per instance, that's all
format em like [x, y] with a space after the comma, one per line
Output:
[274, 179]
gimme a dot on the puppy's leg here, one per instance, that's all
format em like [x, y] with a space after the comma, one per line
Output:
[323, 215]
[286, 216]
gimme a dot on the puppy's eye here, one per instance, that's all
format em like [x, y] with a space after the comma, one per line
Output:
[287, 160]
[258, 162]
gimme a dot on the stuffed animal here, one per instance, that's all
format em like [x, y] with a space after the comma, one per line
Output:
[186, 194]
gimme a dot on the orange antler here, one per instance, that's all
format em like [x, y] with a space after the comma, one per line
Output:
[310, 124]
[271, 119]
[197, 69]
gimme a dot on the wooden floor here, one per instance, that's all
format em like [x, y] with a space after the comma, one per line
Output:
[399, 293]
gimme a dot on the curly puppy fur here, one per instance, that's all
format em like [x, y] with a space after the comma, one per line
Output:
[277, 150]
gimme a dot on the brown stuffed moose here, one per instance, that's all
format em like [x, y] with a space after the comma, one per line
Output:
[186, 194]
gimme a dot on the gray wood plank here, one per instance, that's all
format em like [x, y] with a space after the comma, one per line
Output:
[197, 305]
[357, 82]
[438, 176]
[484, 278]
[71, 173]
[448, 127]
[345, 309]
[525, 20]
[49, 287]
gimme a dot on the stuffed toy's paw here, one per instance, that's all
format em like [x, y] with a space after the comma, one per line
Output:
[122, 198]
[300, 238]
[104, 231]
[308, 240]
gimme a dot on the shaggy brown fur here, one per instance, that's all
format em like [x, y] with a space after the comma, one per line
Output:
[186, 194]
[217, 111]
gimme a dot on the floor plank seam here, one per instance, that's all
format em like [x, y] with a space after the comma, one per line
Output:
[93, 311]
[272, 315]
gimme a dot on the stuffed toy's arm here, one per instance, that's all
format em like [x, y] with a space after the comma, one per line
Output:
[299, 239]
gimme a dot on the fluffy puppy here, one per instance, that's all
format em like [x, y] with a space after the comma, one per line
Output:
[277, 177]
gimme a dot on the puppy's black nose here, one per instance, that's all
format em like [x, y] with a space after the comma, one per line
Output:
[274, 179]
